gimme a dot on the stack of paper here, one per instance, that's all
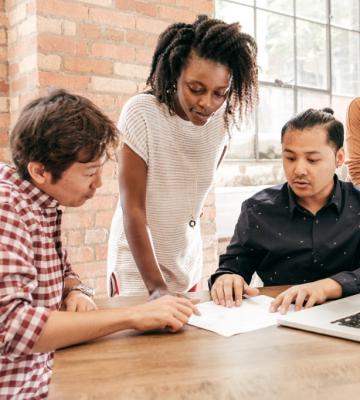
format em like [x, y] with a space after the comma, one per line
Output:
[251, 315]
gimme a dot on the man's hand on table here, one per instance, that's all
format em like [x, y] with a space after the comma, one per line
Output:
[78, 301]
[165, 312]
[228, 290]
[306, 295]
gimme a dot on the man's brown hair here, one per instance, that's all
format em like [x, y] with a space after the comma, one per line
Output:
[59, 129]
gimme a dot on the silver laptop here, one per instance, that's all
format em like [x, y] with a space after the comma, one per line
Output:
[336, 318]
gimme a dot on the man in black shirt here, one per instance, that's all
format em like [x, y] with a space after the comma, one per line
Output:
[305, 232]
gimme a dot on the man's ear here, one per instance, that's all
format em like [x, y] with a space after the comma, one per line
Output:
[37, 173]
[340, 157]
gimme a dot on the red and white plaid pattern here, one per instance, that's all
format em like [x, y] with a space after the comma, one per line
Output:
[33, 266]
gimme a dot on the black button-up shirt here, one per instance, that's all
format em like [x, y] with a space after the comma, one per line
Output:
[286, 244]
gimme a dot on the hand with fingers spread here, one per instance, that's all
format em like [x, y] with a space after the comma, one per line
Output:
[165, 312]
[306, 295]
[228, 290]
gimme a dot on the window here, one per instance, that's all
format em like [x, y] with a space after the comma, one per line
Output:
[309, 56]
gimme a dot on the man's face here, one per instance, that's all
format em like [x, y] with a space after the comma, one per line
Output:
[77, 184]
[202, 88]
[309, 163]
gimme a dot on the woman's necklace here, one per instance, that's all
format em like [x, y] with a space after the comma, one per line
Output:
[192, 201]
[193, 196]
[190, 196]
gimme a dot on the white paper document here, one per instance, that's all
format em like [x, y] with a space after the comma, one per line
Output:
[251, 315]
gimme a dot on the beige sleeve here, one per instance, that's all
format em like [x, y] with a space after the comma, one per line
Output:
[353, 140]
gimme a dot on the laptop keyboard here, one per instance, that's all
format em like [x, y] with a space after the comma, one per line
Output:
[352, 320]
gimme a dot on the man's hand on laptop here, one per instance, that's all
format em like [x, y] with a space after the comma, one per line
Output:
[306, 295]
[228, 290]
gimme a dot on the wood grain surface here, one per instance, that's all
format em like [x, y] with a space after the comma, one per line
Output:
[271, 363]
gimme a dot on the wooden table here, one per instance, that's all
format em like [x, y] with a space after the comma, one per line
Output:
[271, 363]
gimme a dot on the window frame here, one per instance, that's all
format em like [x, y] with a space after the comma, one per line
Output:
[295, 87]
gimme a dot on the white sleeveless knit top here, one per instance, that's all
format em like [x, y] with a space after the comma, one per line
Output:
[181, 159]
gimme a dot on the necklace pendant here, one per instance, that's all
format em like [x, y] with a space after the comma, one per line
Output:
[192, 223]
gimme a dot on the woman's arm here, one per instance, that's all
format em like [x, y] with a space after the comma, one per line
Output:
[132, 183]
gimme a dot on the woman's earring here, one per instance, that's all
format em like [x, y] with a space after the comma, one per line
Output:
[171, 89]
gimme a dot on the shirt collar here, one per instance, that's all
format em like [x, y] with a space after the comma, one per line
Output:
[36, 197]
[335, 197]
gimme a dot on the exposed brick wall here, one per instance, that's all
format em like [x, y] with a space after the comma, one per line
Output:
[22, 54]
[101, 49]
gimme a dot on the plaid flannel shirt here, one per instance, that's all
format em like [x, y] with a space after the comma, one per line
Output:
[33, 267]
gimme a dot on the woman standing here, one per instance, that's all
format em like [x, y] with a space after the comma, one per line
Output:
[203, 76]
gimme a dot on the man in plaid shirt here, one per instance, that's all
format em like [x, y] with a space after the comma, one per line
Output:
[59, 146]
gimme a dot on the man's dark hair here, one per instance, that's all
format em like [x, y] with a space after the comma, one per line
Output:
[311, 118]
[59, 129]
[214, 40]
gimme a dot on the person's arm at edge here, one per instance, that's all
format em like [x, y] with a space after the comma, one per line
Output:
[132, 183]
[353, 140]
